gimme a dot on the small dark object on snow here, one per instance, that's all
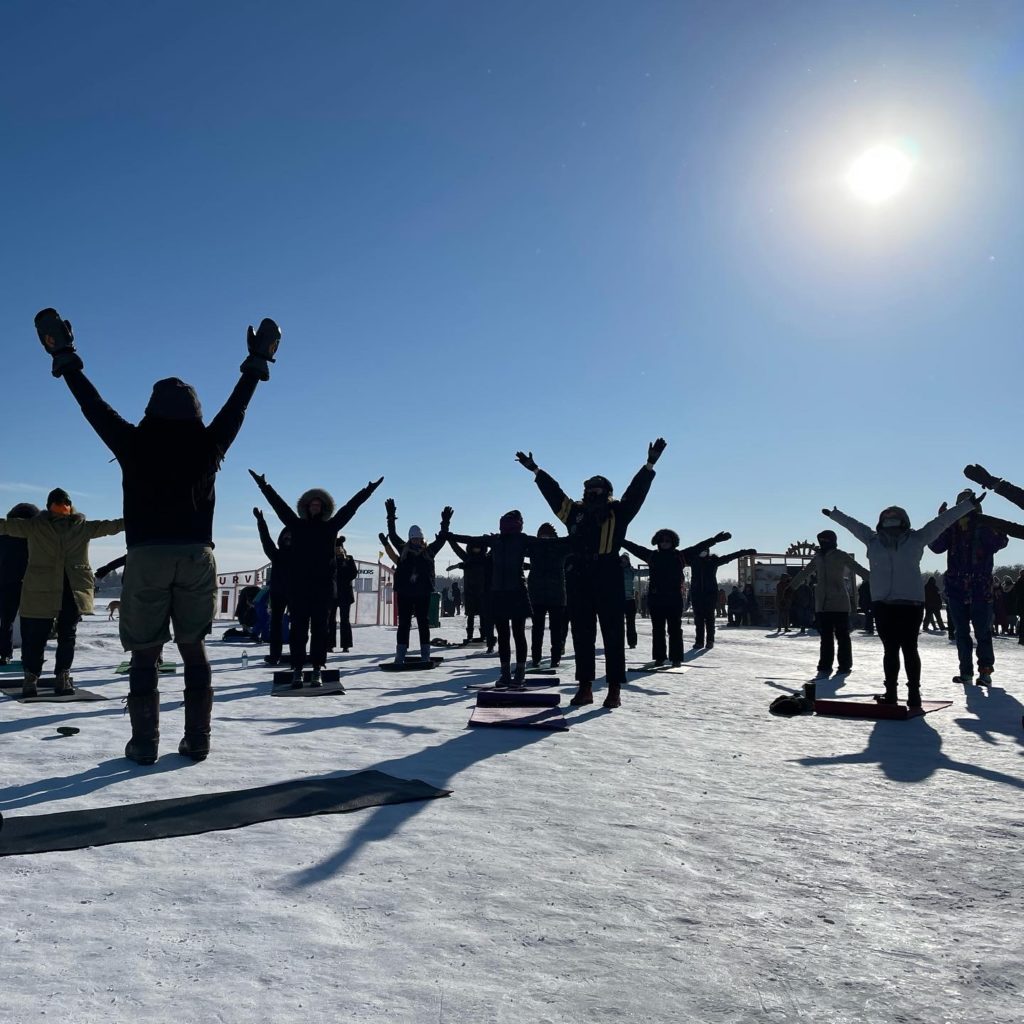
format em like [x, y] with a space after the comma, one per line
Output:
[791, 704]
[68, 730]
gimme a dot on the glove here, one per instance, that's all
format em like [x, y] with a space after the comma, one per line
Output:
[749, 551]
[59, 340]
[980, 475]
[655, 449]
[525, 459]
[724, 535]
[944, 507]
[262, 348]
[374, 484]
[446, 515]
[383, 540]
[391, 508]
[101, 573]
[828, 512]
[260, 478]
[257, 513]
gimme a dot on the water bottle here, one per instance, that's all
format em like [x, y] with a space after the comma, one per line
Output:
[245, 659]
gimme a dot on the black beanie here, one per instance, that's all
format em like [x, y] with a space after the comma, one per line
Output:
[173, 399]
[23, 510]
[58, 496]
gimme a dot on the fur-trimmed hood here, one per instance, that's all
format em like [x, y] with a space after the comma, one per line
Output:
[302, 505]
[75, 517]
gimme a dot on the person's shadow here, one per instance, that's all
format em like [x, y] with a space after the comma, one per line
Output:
[909, 752]
[997, 714]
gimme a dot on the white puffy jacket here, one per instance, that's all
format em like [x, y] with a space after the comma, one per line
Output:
[896, 561]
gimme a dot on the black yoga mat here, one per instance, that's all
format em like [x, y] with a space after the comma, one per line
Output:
[46, 695]
[208, 812]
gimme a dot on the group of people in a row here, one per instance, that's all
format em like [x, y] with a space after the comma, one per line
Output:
[169, 462]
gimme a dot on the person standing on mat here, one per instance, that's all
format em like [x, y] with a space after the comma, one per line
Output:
[970, 545]
[58, 586]
[341, 614]
[169, 463]
[597, 526]
[279, 555]
[476, 580]
[665, 595]
[414, 579]
[13, 562]
[831, 600]
[314, 526]
[546, 587]
[629, 599]
[704, 568]
[894, 556]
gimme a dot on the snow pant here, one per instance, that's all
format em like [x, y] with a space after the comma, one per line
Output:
[597, 597]
[408, 606]
[704, 624]
[834, 628]
[933, 620]
[278, 604]
[898, 627]
[308, 618]
[35, 633]
[517, 628]
[556, 614]
[458, 607]
[784, 616]
[480, 605]
[340, 617]
[964, 615]
[631, 637]
[667, 616]
[10, 598]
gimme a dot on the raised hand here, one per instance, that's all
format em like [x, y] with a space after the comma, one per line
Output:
[828, 511]
[391, 508]
[446, 514]
[58, 340]
[944, 507]
[374, 484]
[260, 478]
[262, 343]
[382, 538]
[980, 475]
[724, 535]
[748, 552]
[654, 450]
[525, 459]
[258, 513]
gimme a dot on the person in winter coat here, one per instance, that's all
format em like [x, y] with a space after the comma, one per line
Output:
[629, 596]
[802, 607]
[546, 587]
[476, 581]
[1000, 612]
[169, 463]
[894, 556]
[932, 607]
[13, 561]
[970, 545]
[597, 526]
[704, 568]
[783, 603]
[414, 579]
[735, 606]
[751, 612]
[312, 570]
[279, 555]
[665, 597]
[510, 600]
[456, 599]
[58, 584]
[831, 600]
[341, 613]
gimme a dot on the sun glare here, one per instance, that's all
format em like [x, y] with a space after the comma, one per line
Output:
[879, 173]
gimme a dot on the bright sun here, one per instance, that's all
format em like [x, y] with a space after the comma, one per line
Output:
[879, 173]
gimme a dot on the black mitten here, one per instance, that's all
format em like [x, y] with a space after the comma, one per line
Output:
[263, 344]
[58, 339]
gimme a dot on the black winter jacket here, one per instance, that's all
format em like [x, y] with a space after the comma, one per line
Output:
[546, 583]
[414, 574]
[13, 561]
[666, 569]
[704, 574]
[279, 555]
[476, 571]
[168, 467]
[346, 575]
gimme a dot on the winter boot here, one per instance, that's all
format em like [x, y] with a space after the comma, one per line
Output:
[62, 684]
[505, 679]
[519, 681]
[316, 680]
[890, 696]
[613, 700]
[272, 659]
[584, 695]
[425, 653]
[555, 659]
[964, 680]
[535, 662]
[984, 675]
[296, 678]
[30, 686]
[400, 652]
[913, 695]
[198, 709]
[144, 709]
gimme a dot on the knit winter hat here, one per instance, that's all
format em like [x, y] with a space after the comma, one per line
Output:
[511, 522]
[173, 399]
[58, 496]
[829, 535]
[23, 510]
[415, 533]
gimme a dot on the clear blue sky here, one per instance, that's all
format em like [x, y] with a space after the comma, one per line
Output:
[568, 227]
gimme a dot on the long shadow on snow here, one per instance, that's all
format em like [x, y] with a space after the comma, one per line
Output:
[909, 752]
[997, 713]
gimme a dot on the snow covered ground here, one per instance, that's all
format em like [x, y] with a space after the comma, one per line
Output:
[685, 858]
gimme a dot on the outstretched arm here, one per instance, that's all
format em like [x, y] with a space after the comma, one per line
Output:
[644, 554]
[694, 549]
[442, 537]
[285, 513]
[388, 549]
[103, 527]
[1003, 526]
[105, 570]
[392, 511]
[980, 475]
[267, 543]
[931, 531]
[723, 559]
[861, 531]
[349, 509]
[460, 551]
[559, 502]
[113, 430]
[639, 487]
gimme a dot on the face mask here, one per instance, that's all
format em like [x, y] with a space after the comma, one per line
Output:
[891, 524]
